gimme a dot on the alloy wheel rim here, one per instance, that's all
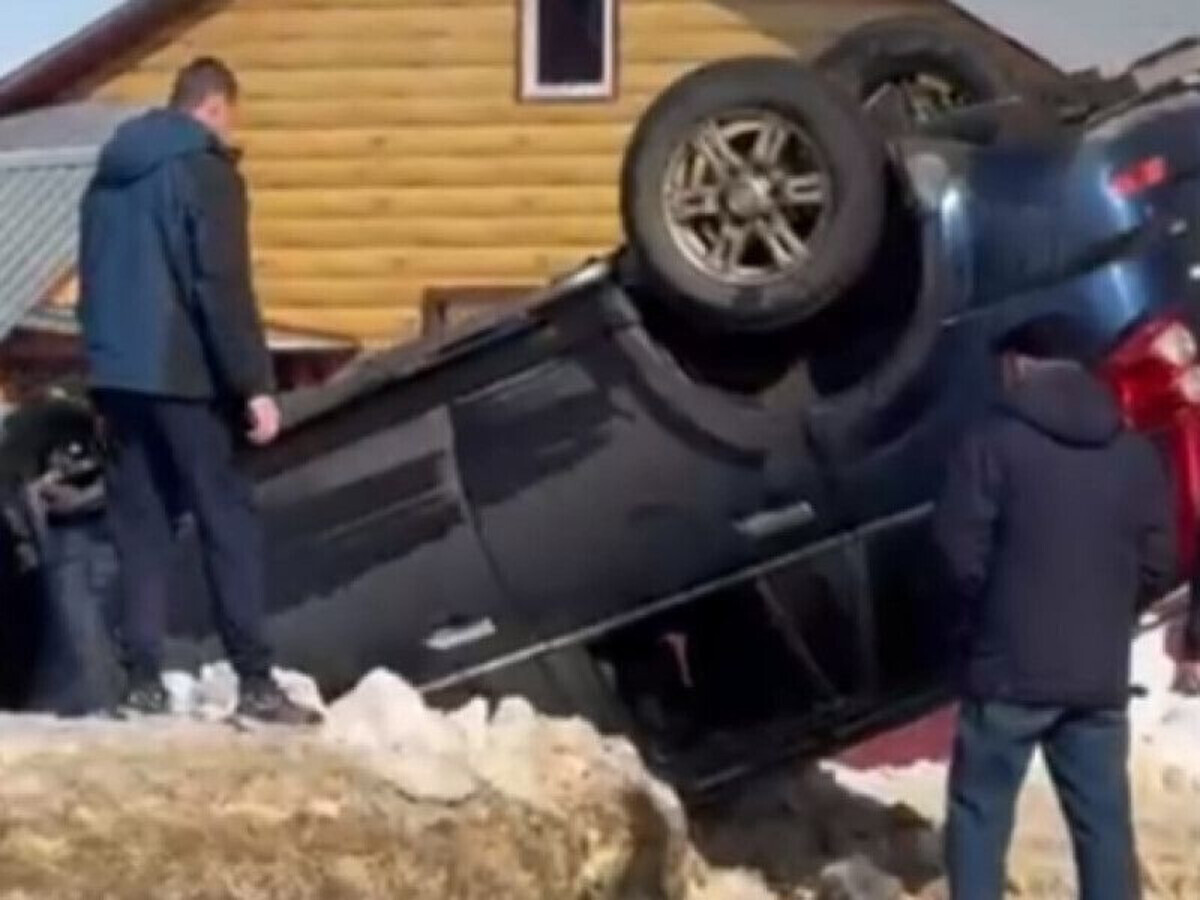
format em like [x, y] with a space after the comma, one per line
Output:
[745, 197]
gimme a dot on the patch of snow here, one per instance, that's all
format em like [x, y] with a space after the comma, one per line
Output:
[1163, 721]
[212, 695]
[472, 722]
[732, 885]
[857, 878]
[386, 714]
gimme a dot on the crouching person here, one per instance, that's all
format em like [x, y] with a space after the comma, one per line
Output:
[179, 367]
[1054, 522]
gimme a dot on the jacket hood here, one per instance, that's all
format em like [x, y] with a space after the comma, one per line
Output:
[141, 145]
[1067, 404]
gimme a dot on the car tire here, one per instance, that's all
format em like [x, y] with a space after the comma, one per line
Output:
[31, 432]
[890, 53]
[759, 193]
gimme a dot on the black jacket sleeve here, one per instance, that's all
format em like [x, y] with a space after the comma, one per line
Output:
[1157, 539]
[222, 287]
[964, 520]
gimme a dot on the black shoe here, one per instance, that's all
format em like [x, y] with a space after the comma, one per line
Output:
[264, 701]
[144, 698]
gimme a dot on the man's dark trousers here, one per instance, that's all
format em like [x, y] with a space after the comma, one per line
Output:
[167, 456]
[1086, 752]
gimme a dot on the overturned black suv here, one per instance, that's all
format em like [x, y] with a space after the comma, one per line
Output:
[684, 490]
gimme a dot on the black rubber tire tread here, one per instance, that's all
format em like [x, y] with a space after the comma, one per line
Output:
[855, 160]
[32, 431]
[871, 55]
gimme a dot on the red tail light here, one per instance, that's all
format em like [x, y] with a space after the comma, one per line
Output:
[1187, 386]
[1175, 345]
[1140, 177]
[1156, 379]
[1154, 372]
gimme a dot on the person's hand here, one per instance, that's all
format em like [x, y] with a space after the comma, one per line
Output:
[1187, 677]
[263, 413]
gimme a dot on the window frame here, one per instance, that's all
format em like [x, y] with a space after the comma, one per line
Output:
[528, 34]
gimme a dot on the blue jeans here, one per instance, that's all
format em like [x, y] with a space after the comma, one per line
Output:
[1086, 752]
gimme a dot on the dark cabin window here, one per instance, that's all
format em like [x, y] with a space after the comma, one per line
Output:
[568, 49]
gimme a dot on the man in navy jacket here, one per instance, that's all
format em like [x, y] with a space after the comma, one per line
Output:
[179, 368]
[1054, 522]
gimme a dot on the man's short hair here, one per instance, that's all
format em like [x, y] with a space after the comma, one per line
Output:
[199, 80]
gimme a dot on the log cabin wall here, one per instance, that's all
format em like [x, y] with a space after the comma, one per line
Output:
[389, 154]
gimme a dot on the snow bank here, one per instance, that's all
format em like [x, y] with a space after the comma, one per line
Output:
[387, 799]
[544, 764]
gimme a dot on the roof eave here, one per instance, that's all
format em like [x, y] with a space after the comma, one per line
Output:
[49, 75]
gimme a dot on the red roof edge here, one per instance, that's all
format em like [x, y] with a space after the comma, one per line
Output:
[53, 73]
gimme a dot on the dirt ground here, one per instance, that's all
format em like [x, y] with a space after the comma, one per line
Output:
[195, 815]
[387, 800]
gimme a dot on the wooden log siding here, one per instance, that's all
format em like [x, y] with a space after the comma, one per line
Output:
[389, 157]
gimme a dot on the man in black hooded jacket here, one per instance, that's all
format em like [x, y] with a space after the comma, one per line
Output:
[1054, 522]
[179, 366]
